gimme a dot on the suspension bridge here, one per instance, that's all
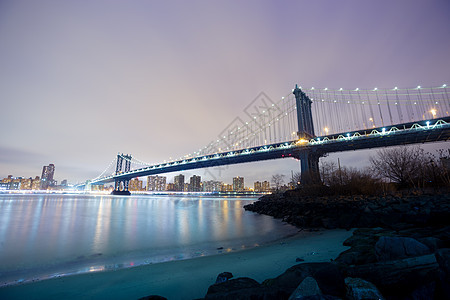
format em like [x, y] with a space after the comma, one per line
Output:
[307, 124]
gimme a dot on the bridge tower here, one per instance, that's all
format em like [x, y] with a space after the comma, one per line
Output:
[121, 185]
[309, 160]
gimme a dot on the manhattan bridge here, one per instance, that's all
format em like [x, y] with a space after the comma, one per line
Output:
[306, 124]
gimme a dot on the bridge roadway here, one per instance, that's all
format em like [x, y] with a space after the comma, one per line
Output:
[400, 134]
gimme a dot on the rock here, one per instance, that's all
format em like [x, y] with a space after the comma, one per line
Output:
[426, 291]
[443, 259]
[431, 242]
[328, 277]
[398, 278]
[233, 284]
[224, 276]
[308, 287]
[358, 289]
[392, 248]
[298, 259]
[153, 297]
[241, 289]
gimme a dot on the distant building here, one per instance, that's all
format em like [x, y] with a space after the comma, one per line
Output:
[226, 187]
[238, 184]
[265, 186]
[195, 183]
[47, 176]
[179, 183]
[64, 182]
[156, 183]
[170, 187]
[36, 183]
[257, 186]
[25, 183]
[135, 185]
[7, 179]
[212, 186]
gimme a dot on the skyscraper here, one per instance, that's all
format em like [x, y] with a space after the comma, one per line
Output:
[156, 183]
[179, 183]
[238, 184]
[212, 186]
[195, 183]
[47, 176]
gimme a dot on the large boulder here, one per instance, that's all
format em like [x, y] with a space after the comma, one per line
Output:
[392, 248]
[398, 278]
[358, 289]
[308, 287]
[224, 276]
[241, 289]
[328, 276]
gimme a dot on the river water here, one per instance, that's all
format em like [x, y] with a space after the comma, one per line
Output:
[49, 235]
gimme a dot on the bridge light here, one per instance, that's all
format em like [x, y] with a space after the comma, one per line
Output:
[433, 112]
[444, 85]
[326, 89]
[348, 134]
[375, 89]
[357, 89]
[282, 98]
[383, 130]
[312, 88]
[340, 89]
[396, 88]
[418, 87]
[428, 123]
[326, 130]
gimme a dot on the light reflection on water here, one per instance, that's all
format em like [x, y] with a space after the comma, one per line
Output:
[47, 235]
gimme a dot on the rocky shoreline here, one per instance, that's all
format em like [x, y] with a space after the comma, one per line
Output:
[400, 251]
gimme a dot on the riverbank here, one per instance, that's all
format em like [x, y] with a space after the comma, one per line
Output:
[187, 279]
[402, 251]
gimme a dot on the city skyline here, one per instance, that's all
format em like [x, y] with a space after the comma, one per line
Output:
[82, 81]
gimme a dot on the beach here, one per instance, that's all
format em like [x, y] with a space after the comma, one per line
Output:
[188, 279]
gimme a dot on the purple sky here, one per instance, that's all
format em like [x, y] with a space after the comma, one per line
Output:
[83, 80]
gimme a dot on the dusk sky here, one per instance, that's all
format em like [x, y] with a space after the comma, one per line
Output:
[81, 81]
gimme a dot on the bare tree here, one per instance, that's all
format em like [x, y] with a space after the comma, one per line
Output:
[403, 165]
[278, 180]
[296, 179]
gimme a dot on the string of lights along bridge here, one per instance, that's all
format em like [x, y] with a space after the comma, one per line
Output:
[306, 124]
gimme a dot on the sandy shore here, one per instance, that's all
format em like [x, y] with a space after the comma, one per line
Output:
[187, 279]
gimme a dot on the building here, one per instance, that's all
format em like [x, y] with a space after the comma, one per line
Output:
[156, 183]
[225, 187]
[135, 185]
[47, 176]
[195, 183]
[36, 183]
[170, 187]
[265, 186]
[212, 186]
[7, 179]
[179, 183]
[25, 183]
[238, 184]
[64, 182]
[257, 187]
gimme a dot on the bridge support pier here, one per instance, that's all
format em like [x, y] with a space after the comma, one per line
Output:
[309, 167]
[121, 185]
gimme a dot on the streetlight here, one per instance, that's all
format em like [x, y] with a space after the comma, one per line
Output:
[326, 130]
[433, 112]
